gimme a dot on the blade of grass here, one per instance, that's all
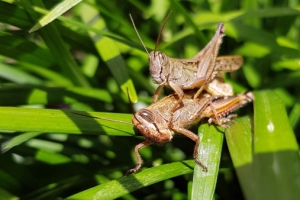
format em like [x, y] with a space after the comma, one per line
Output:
[202, 39]
[63, 121]
[17, 76]
[33, 94]
[19, 139]
[59, 50]
[239, 31]
[55, 12]
[210, 149]
[271, 168]
[239, 141]
[24, 51]
[294, 116]
[67, 21]
[134, 182]
[54, 77]
[4, 194]
[108, 50]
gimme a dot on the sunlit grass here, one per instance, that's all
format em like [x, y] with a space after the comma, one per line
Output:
[87, 60]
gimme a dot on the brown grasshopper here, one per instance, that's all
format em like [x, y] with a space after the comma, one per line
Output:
[197, 72]
[153, 122]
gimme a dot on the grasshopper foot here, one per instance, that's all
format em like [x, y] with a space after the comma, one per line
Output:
[132, 171]
[225, 122]
[201, 164]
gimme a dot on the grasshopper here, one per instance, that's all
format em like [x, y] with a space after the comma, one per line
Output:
[153, 122]
[197, 72]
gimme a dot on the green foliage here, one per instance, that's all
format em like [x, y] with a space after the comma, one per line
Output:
[81, 57]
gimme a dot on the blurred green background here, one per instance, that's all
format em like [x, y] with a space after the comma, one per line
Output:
[86, 59]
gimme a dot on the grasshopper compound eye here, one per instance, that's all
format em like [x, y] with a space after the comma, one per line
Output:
[163, 59]
[146, 115]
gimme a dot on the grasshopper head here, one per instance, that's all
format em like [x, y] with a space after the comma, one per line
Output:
[159, 64]
[152, 129]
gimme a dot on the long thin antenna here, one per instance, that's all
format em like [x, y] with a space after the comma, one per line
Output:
[105, 119]
[161, 29]
[138, 34]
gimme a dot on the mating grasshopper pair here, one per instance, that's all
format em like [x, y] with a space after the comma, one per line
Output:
[177, 112]
[204, 71]
[189, 104]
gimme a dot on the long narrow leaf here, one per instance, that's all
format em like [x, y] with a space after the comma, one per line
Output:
[60, 51]
[131, 183]
[63, 121]
[55, 12]
[269, 169]
[109, 52]
[204, 183]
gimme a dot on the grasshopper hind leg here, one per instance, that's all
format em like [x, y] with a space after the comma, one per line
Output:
[138, 156]
[196, 139]
[195, 155]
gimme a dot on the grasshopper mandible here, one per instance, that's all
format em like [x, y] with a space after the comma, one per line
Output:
[158, 124]
[197, 72]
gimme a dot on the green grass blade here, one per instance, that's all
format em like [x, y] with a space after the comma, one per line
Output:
[48, 74]
[204, 183]
[197, 33]
[18, 140]
[4, 194]
[134, 182]
[271, 124]
[17, 76]
[60, 51]
[239, 141]
[57, 11]
[294, 116]
[271, 168]
[109, 51]
[32, 94]
[18, 48]
[276, 150]
[67, 21]
[63, 121]
[240, 31]
[268, 12]
[17, 16]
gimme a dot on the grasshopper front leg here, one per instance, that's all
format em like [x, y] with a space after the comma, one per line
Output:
[138, 156]
[157, 93]
[180, 94]
[177, 90]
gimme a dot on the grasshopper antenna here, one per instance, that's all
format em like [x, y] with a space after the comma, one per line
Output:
[160, 31]
[111, 120]
[105, 119]
[138, 34]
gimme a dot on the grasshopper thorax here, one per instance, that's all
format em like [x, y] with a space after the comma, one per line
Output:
[152, 129]
[159, 66]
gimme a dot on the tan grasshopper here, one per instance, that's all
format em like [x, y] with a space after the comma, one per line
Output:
[153, 122]
[197, 72]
